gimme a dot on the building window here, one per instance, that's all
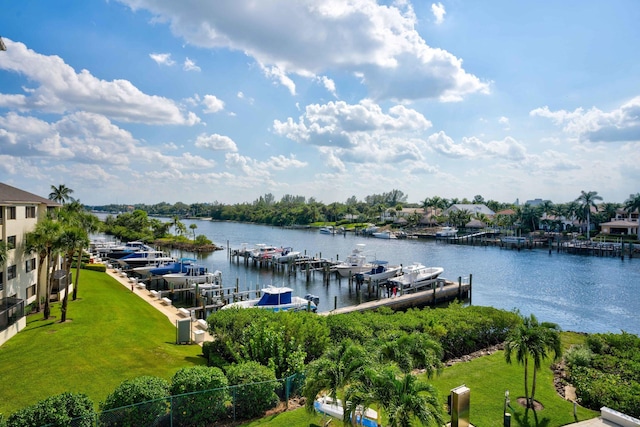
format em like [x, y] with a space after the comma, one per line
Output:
[30, 212]
[30, 265]
[1, 281]
[11, 242]
[11, 272]
[11, 212]
[31, 291]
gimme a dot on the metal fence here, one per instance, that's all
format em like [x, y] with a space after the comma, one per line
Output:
[202, 408]
[11, 310]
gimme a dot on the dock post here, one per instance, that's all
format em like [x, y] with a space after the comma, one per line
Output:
[459, 287]
[433, 303]
[335, 302]
[470, 286]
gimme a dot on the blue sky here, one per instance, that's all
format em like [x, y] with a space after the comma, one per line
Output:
[199, 101]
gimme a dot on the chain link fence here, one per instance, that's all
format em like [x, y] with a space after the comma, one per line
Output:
[208, 408]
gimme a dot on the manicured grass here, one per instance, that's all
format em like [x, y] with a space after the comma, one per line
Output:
[112, 335]
[488, 377]
[296, 418]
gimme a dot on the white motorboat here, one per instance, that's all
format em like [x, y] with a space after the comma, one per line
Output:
[287, 254]
[333, 408]
[356, 262]
[194, 274]
[264, 252]
[165, 267]
[518, 240]
[277, 299]
[381, 272]
[447, 232]
[416, 274]
[327, 230]
[385, 234]
[144, 258]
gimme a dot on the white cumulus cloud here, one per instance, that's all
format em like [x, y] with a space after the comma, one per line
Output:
[216, 142]
[162, 58]
[438, 12]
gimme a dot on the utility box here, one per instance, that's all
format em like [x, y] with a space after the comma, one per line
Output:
[183, 331]
[460, 406]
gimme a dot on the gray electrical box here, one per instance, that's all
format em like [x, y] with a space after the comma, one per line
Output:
[183, 331]
[460, 406]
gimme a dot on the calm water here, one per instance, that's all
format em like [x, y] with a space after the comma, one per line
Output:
[588, 294]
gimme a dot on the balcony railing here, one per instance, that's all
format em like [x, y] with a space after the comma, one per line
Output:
[11, 310]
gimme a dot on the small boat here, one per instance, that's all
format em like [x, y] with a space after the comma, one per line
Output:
[380, 273]
[117, 252]
[144, 258]
[194, 274]
[327, 230]
[333, 408]
[354, 263]
[287, 254]
[179, 266]
[385, 234]
[277, 299]
[416, 274]
[447, 232]
[264, 252]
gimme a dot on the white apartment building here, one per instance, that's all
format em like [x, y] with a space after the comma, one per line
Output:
[20, 211]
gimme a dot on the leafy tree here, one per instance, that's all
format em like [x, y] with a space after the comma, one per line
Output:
[632, 204]
[534, 341]
[60, 410]
[44, 240]
[588, 200]
[203, 395]
[124, 406]
[61, 194]
[3, 252]
[71, 240]
[253, 388]
[193, 227]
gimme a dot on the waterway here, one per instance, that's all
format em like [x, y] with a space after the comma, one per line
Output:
[579, 293]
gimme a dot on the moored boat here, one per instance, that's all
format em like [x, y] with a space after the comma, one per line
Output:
[327, 230]
[380, 272]
[174, 266]
[144, 258]
[385, 234]
[194, 274]
[356, 262]
[287, 254]
[276, 299]
[416, 274]
[447, 232]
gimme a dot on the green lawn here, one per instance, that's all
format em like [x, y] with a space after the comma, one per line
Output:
[489, 377]
[112, 335]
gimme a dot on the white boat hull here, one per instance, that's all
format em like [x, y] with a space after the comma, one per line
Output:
[334, 408]
[417, 277]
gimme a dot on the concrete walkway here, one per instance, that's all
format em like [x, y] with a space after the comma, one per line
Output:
[198, 331]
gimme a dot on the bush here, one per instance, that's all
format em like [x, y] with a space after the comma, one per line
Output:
[95, 267]
[141, 401]
[200, 396]
[255, 390]
[578, 355]
[57, 410]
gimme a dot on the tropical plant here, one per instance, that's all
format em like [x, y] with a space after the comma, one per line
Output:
[71, 240]
[193, 227]
[402, 397]
[534, 341]
[60, 410]
[588, 200]
[124, 405]
[199, 395]
[3, 252]
[632, 204]
[60, 194]
[253, 387]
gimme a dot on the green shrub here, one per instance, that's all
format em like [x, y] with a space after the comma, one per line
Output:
[57, 410]
[578, 355]
[95, 267]
[141, 401]
[255, 388]
[200, 396]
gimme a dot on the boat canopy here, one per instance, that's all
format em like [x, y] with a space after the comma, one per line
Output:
[282, 296]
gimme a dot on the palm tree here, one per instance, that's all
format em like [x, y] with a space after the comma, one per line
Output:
[588, 200]
[43, 240]
[3, 253]
[402, 397]
[532, 340]
[632, 204]
[71, 240]
[60, 194]
[193, 229]
[89, 224]
[330, 373]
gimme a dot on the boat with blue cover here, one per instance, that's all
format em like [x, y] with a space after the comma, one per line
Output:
[277, 299]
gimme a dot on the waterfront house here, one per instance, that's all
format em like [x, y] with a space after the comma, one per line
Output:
[624, 223]
[20, 211]
[473, 209]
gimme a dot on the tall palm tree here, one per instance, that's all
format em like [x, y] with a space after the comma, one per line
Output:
[588, 200]
[534, 341]
[89, 224]
[402, 397]
[61, 194]
[193, 229]
[43, 240]
[71, 241]
[632, 204]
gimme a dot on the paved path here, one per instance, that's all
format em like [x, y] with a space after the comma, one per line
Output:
[172, 313]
